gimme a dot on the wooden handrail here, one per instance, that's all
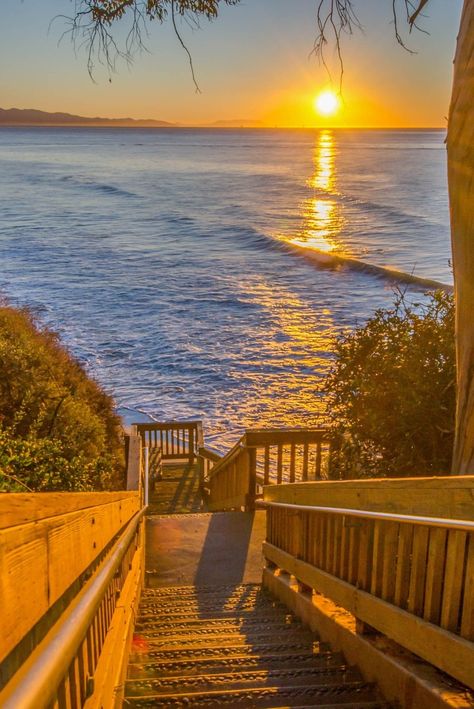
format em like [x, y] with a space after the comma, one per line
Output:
[408, 575]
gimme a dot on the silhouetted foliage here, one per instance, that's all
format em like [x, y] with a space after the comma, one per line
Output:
[391, 392]
[93, 24]
[58, 428]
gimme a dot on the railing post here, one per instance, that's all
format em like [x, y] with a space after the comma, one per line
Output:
[191, 445]
[134, 460]
[252, 489]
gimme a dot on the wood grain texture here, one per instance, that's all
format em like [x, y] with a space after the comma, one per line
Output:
[41, 559]
[447, 651]
[448, 497]
[460, 144]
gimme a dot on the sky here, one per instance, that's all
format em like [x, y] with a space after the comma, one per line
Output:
[253, 63]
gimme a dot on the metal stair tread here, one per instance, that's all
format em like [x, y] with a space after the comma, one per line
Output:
[239, 663]
[314, 695]
[235, 679]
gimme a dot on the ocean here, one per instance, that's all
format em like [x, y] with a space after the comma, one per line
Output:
[205, 273]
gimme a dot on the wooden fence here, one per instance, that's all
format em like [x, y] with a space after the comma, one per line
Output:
[176, 440]
[263, 457]
[407, 571]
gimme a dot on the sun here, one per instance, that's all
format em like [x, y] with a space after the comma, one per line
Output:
[326, 103]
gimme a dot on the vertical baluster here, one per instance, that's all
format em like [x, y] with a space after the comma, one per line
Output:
[304, 475]
[329, 554]
[74, 686]
[416, 594]
[279, 463]
[453, 579]
[377, 559]
[434, 574]
[335, 562]
[344, 559]
[389, 565]
[467, 617]
[266, 465]
[354, 548]
[318, 461]
[402, 578]
[292, 462]
[366, 545]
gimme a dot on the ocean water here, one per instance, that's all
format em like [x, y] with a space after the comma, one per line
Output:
[206, 273]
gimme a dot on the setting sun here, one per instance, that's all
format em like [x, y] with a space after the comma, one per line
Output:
[326, 103]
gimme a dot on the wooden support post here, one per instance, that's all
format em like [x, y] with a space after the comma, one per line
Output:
[134, 462]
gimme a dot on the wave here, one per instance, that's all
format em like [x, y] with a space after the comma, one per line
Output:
[326, 259]
[333, 260]
[97, 186]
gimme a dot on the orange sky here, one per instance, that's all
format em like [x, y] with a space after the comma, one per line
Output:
[253, 63]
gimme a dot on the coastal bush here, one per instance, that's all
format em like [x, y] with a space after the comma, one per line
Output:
[58, 428]
[391, 392]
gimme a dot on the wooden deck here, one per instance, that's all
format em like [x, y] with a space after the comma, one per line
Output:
[177, 492]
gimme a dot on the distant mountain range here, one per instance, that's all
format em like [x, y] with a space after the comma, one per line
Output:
[32, 117]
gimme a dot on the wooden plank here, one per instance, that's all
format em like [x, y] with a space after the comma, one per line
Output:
[21, 508]
[450, 653]
[402, 576]
[305, 461]
[279, 464]
[166, 426]
[292, 462]
[451, 497]
[467, 617]
[389, 566]
[434, 575]
[317, 470]
[40, 560]
[366, 545]
[377, 559]
[134, 462]
[266, 465]
[284, 436]
[416, 593]
[453, 580]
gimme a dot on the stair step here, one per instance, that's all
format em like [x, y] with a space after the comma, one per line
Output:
[226, 636]
[149, 624]
[143, 667]
[218, 651]
[303, 639]
[208, 605]
[352, 695]
[240, 680]
[205, 616]
[231, 589]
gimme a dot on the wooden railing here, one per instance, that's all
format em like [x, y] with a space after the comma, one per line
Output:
[407, 572]
[176, 440]
[263, 457]
[72, 566]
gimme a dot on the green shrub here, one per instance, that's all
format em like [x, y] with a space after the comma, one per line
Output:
[391, 392]
[58, 428]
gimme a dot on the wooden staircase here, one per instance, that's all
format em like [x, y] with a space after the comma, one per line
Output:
[234, 646]
[227, 645]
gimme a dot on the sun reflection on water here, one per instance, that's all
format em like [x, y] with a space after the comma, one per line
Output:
[322, 217]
